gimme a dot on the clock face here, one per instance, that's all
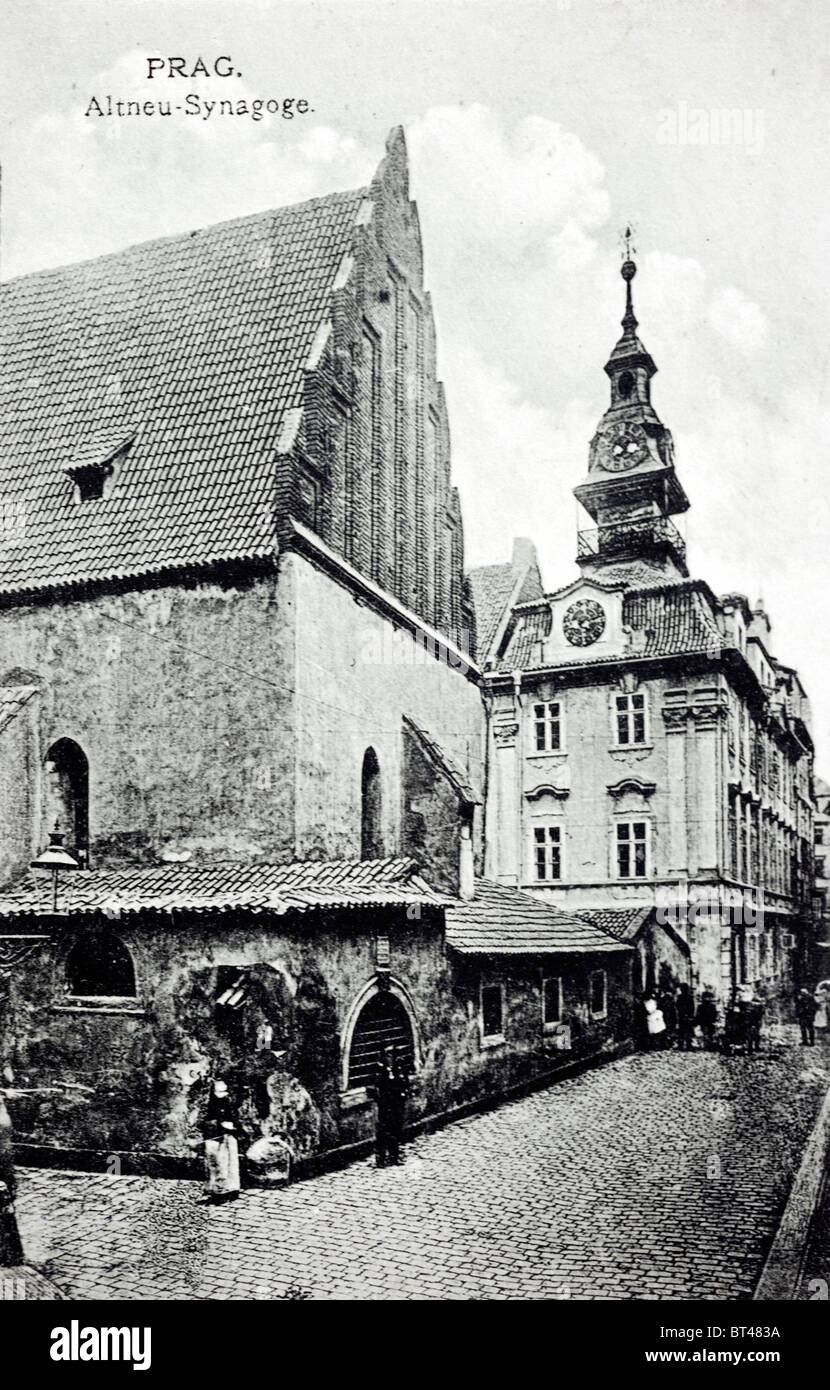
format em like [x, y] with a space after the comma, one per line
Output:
[623, 446]
[584, 622]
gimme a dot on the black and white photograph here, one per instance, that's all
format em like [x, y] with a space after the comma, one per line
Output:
[414, 683]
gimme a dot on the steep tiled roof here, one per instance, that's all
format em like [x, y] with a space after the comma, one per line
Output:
[12, 700]
[620, 922]
[674, 619]
[457, 779]
[187, 352]
[523, 651]
[492, 587]
[277, 888]
[671, 620]
[500, 920]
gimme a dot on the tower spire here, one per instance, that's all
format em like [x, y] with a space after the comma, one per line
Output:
[631, 490]
[628, 270]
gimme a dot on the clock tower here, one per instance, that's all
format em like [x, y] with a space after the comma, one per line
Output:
[632, 490]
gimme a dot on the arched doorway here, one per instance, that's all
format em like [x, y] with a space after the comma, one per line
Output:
[382, 1022]
[67, 795]
[371, 837]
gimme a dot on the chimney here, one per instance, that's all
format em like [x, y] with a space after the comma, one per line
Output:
[524, 553]
[466, 870]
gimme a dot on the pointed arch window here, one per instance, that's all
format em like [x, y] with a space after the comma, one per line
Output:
[67, 795]
[371, 836]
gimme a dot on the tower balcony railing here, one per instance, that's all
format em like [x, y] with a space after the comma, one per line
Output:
[626, 537]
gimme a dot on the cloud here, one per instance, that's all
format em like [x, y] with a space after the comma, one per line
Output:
[738, 319]
[510, 188]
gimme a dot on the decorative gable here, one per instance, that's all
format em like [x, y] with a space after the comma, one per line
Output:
[586, 623]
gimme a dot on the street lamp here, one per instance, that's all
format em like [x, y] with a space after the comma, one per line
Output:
[55, 858]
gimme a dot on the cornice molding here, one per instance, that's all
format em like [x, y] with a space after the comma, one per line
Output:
[631, 784]
[547, 789]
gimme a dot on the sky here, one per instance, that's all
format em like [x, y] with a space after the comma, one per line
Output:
[537, 130]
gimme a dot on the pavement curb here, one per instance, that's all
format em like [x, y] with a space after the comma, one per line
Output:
[781, 1275]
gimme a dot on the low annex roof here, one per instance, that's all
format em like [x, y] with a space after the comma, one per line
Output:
[224, 887]
[501, 920]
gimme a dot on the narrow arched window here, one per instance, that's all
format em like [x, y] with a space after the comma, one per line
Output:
[382, 1022]
[67, 795]
[371, 837]
[99, 966]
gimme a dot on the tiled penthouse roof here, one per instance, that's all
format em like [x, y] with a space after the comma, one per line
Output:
[189, 350]
[500, 920]
[276, 888]
[620, 922]
[673, 620]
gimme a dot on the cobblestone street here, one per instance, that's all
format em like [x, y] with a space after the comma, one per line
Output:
[658, 1176]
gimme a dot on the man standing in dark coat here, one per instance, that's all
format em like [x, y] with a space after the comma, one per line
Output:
[707, 1018]
[390, 1093]
[685, 1018]
[806, 1008]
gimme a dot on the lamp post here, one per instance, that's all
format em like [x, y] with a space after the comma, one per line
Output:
[55, 858]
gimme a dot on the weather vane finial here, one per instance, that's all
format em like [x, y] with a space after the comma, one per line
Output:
[628, 270]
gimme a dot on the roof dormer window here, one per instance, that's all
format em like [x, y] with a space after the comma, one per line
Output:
[93, 471]
[89, 480]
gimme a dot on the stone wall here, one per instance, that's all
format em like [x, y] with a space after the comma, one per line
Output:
[357, 675]
[181, 699]
[20, 779]
[132, 1078]
[224, 720]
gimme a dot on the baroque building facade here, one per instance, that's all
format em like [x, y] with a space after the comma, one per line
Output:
[649, 760]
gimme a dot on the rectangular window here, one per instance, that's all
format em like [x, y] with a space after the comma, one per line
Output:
[597, 990]
[632, 849]
[547, 726]
[552, 1001]
[547, 851]
[752, 956]
[630, 719]
[492, 1011]
[733, 836]
[754, 856]
[309, 501]
[819, 834]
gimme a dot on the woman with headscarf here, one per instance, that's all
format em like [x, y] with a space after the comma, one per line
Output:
[220, 1129]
